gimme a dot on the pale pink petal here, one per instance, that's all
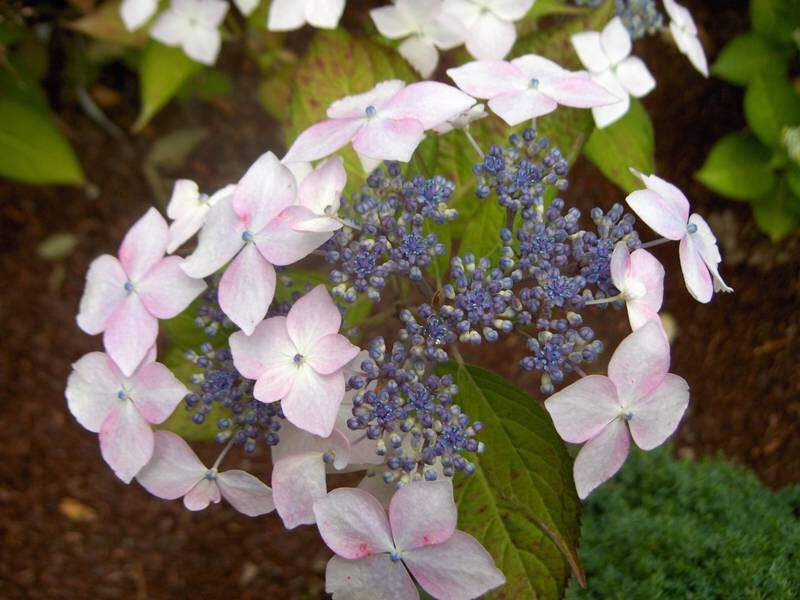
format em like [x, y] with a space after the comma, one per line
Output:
[170, 28]
[265, 190]
[324, 14]
[608, 114]
[184, 199]
[706, 244]
[311, 318]
[126, 441]
[219, 240]
[323, 186]
[414, 528]
[297, 441]
[269, 344]
[445, 32]
[656, 416]
[286, 15]
[324, 138]
[616, 41]
[297, 481]
[92, 389]
[695, 272]
[174, 468]
[649, 272]
[353, 524]
[601, 457]
[313, 400]
[246, 289]
[166, 290]
[457, 569]
[488, 78]
[136, 13]
[245, 492]
[369, 578]
[392, 22]
[620, 265]
[205, 492]
[534, 66]
[582, 409]
[105, 290]
[490, 38]
[317, 225]
[517, 107]
[300, 170]
[671, 194]
[590, 51]
[511, 10]
[659, 213]
[639, 363]
[130, 333]
[354, 107]
[429, 102]
[184, 228]
[156, 392]
[389, 139]
[420, 54]
[331, 353]
[281, 243]
[144, 245]
[275, 382]
[579, 92]
[635, 77]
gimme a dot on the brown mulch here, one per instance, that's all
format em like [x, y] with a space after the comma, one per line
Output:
[70, 529]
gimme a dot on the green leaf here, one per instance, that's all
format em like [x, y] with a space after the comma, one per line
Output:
[746, 56]
[738, 167]
[771, 104]
[57, 246]
[520, 502]
[32, 149]
[482, 234]
[775, 19]
[105, 23]
[778, 214]
[626, 143]
[553, 7]
[162, 71]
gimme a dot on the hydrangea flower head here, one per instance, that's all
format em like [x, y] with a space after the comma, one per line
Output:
[489, 24]
[194, 26]
[684, 32]
[287, 15]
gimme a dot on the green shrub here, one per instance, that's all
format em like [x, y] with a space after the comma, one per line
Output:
[665, 528]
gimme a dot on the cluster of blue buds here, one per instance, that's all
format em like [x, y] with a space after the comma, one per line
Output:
[641, 17]
[389, 232]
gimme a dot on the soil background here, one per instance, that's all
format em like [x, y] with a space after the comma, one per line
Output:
[70, 529]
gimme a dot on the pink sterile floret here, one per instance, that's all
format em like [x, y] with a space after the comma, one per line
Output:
[640, 279]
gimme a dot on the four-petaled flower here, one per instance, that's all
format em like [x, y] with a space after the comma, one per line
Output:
[286, 15]
[665, 209]
[386, 123]
[607, 57]
[299, 360]
[174, 471]
[640, 279]
[684, 32]
[638, 399]
[256, 226]
[192, 25]
[188, 209]
[374, 555]
[425, 27]
[528, 87]
[125, 298]
[121, 409]
[489, 24]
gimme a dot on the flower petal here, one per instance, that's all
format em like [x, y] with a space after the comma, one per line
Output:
[601, 457]
[421, 54]
[92, 389]
[323, 138]
[590, 51]
[616, 41]
[156, 392]
[705, 242]
[460, 567]
[130, 333]
[313, 401]
[246, 288]
[414, 528]
[205, 492]
[579, 92]
[323, 186]
[695, 271]
[392, 22]
[582, 409]
[105, 290]
[656, 416]
[184, 228]
[268, 345]
[389, 139]
[281, 243]
[331, 353]
[635, 77]
[324, 14]
[174, 468]
[311, 318]
[488, 78]
[184, 200]
[368, 578]
[245, 492]
[620, 265]
[660, 214]
[353, 524]
[126, 441]
[286, 15]
[690, 45]
[649, 272]
[354, 107]
[265, 190]
[167, 290]
[517, 107]
[490, 38]
[639, 363]
[144, 245]
[202, 44]
[297, 481]
[375, 485]
[136, 13]
[608, 114]
[169, 28]
[511, 10]
[219, 240]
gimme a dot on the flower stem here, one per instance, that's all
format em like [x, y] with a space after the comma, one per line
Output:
[222, 454]
[473, 142]
[657, 242]
[605, 300]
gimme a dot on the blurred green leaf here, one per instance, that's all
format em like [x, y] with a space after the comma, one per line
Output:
[776, 19]
[105, 23]
[57, 246]
[748, 55]
[626, 143]
[778, 214]
[738, 167]
[542, 8]
[770, 104]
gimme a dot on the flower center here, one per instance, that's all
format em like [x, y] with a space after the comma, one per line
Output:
[627, 415]
[535, 83]
[691, 228]
[298, 359]
[247, 235]
[123, 395]
[394, 556]
[210, 475]
[128, 286]
[371, 112]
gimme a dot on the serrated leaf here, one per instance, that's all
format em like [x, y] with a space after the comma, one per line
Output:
[626, 143]
[775, 19]
[748, 55]
[738, 167]
[770, 104]
[521, 502]
[162, 71]
[777, 214]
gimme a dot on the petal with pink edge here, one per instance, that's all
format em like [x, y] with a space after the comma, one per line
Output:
[92, 389]
[184, 228]
[517, 107]
[246, 288]
[620, 265]
[144, 244]
[324, 138]
[218, 242]
[265, 190]
[322, 187]
[601, 457]
[201, 495]
[126, 441]
[639, 363]
[167, 290]
[105, 290]
[156, 392]
[582, 409]
[488, 78]
[459, 568]
[311, 318]
[353, 524]
[275, 382]
[267, 345]
[130, 333]
[413, 528]
[281, 243]
[659, 213]
[695, 272]
[429, 102]
[174, 468]
[245, 492]
[313, 400]
[656, 416]
[369, 578]
[389, 139]
[297, 481]
[579, 92]
[331, 353]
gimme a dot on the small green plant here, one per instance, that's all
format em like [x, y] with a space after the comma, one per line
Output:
[700, 530]
[762, 165]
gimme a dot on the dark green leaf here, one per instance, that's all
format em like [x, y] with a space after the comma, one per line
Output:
[776, 19]
[520, 503]
[626, 143]
[746, 56]
[738, 167]
[771, 104]
[482, 234]
[776, 214]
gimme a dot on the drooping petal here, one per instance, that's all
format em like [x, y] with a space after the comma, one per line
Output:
[660, 214]
[635, 77]
[590, 51]
[488, 78]
[389, 139]
[219, 240]
[579, 92]
[126, 441]
[269, 344]
[156, 392]
[324, 14]
[516, 107]
[331, 353]
[421, 54]
[680, 16]
[136, 13]
[639, 363]
[92, 389]
[205, 492]
[166, 290]
[582, 409]
[415, 528]
[144, 245]
[353, 524]
[690, 45]
[323, 186]
[130, 333]
[620, 265]
[457, 568]
[695, 271]
[601, 457]
[286, 15]
[490, 38]
[369, 578]
[429, 102]
[311, 318]
[297, 481]
[323, 138]
[649, 273]
[656, 416]
[266, 189]
[246, 288]
[245, 492]
[281, 243]
[616, 41]
[174, 468]
[313, 401]
[105, 290]
[354, 107]
[392, 22]
[705, 242]
[671, 194]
